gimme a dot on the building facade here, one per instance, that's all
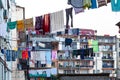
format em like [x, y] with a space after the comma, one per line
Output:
[74, 53]
[107, 54]
[17, 14]
[5, 10]
[5, 36]
[118, 58]
[102, 59]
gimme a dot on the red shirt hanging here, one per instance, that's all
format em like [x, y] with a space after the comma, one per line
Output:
[24, 54]
[46, 25]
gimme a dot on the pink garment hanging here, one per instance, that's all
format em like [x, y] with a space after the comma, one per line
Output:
[54, 54]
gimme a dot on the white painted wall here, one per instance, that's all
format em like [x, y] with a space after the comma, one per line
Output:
[1, 15]
[2, 20]
[16, 14]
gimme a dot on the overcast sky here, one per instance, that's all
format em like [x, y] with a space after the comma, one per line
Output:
[101, 19]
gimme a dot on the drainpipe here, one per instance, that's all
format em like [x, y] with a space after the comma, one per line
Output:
[5, 72]
[95, 54]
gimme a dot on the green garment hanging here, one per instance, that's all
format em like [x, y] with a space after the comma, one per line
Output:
[20, 54]
[95, 45]
[87, 4]
[11, 25]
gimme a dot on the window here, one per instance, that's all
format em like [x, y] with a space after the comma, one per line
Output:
[119, 54]
[119, 45]
[94, 71]
[74, 45]
[84, 71]
[107, 71]
[98, 54]
[98, 71]
[69, 71]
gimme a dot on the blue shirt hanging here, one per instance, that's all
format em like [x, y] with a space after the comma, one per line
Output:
[115, 4]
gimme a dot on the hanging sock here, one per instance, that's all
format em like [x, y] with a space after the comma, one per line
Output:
[69, 13]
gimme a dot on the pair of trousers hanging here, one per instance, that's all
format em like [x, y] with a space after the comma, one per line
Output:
[69, 14]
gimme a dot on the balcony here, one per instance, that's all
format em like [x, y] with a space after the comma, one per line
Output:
[83, 41]
[88, 58]
[86, 66]
[74, 58]
[105, 58]
[106, 43]
[107, 66]
[43, 38]
[82, 66]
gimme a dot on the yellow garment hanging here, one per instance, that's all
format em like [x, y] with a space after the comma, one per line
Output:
[90, 43]
[15, 48]
[29, 23]
[87, 4]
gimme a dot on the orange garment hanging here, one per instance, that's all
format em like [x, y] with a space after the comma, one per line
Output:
[20, 25]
